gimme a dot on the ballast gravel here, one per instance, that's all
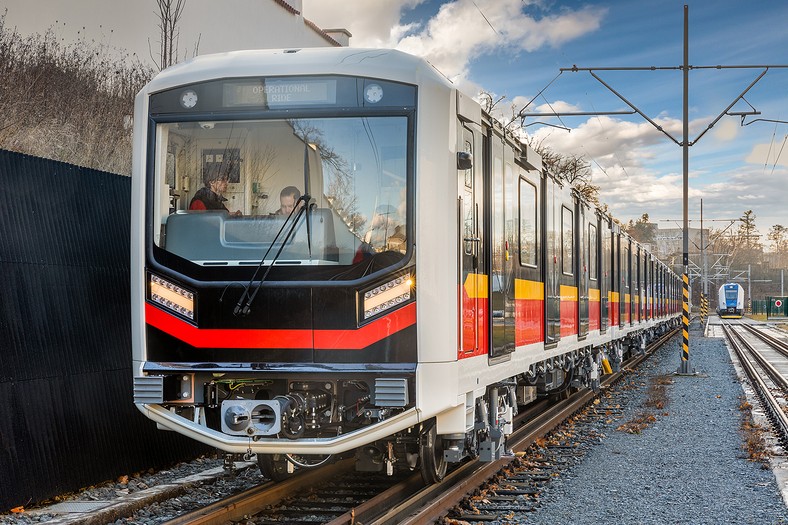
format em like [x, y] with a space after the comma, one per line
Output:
[689, 466]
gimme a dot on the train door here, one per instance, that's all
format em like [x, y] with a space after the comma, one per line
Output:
[473, 280]
[582, 268]
[529, 287]
[594, 282]
[644, 285]
[615, 276]
[552, 266]
[501, 289]
[568, 289]
[636, 283]
[605, 273]
[624, 296]
[650, 311]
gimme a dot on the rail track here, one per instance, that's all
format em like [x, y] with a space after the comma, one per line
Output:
[336, 495]
[764, 359]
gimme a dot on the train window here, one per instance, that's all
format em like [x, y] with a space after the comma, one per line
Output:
[625, 262]
[567, 240]
[353, 168]
[592, 247]
[529, 226]
[468, 172]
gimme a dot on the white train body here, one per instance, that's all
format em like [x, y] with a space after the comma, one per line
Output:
[434, 276]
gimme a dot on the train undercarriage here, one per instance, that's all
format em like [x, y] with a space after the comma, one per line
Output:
[421, 448]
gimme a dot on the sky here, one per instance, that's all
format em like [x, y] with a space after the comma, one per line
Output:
[517, 48]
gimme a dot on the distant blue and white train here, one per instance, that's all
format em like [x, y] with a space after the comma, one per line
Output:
[731, 301]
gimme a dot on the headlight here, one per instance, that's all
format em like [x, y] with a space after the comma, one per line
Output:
[172, 296]
[386, 296]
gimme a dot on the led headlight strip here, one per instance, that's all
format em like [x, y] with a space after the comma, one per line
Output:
[172, 296]
[386, 296]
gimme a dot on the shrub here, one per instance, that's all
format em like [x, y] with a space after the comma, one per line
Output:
[72, 103]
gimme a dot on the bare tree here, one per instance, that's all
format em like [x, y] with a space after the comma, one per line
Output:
[642, 230]
[748, 233]
[169, 14]
[778, 235]
[569, 168]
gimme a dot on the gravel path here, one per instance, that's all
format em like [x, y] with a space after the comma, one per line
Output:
[687, 467]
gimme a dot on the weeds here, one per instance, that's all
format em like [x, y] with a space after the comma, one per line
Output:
[656, 398]
[69, 103]
[754, 444]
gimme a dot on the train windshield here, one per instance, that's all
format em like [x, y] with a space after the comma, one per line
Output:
[298, 191]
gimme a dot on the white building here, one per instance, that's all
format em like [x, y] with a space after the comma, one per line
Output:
[254, 24]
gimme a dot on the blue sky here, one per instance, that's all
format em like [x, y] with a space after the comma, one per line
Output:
[518, 47]
[515, 48]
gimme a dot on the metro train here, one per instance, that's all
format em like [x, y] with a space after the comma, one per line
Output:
[730, 301]
[431, 279]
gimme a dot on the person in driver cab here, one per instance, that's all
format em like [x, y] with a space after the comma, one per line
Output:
[288, 198]
[211, 196]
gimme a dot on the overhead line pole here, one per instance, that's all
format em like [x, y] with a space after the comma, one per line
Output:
[685, 367]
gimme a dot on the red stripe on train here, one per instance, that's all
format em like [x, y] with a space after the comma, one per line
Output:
[272, 338]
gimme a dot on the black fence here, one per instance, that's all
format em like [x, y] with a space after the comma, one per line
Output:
[66, 414]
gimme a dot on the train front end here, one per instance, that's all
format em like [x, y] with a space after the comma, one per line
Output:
[731, 301]
[260, 327]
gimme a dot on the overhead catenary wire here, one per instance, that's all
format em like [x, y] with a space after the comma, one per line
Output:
[777, 159]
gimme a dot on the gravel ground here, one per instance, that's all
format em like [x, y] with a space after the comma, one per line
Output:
[189, 493]
[687, 467]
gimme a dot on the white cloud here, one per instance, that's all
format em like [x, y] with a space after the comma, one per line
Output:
[769, 154]
[463, 30]
[727, 130]
[460, 31]
[372, 23]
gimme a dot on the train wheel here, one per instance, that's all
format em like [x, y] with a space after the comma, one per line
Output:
[273, 466]
[433, 463]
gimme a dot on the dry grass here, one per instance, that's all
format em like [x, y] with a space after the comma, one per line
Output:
[69, 103]
[656, 398]
[754, 444]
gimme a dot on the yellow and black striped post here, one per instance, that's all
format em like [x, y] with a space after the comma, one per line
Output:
[685, 368]
[704, 308]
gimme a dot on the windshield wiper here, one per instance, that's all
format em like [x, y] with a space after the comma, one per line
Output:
[304, 204]
[244, 305]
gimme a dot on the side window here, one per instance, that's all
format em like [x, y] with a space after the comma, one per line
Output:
[625, 268]
[592, 247]
[469, 232]
[567, 238]
[528, 223]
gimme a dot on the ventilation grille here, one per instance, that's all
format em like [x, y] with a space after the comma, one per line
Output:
[391, 392]
[148, 390]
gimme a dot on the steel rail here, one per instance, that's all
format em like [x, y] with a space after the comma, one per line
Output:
[435, 501]
[780, 346]
[254, 500]
[775, 412]
[777, 378]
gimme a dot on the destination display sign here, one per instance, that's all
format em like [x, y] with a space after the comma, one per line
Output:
[279, 92]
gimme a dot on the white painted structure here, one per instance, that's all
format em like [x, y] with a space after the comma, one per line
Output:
[258, 24]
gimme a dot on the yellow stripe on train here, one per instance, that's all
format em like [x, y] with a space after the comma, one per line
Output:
[568, 293]
[476, 286]
[528, 290]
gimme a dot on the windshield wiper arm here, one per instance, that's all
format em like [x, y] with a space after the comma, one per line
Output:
[244, 305]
